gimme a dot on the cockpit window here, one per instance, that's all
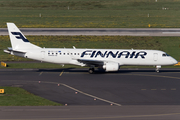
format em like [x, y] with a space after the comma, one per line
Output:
[165, 54]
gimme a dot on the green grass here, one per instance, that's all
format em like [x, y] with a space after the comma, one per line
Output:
[15, 96]
[90, 13]
[38, 65]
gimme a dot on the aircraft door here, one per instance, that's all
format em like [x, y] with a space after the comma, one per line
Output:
[42, 55]
[155, 57]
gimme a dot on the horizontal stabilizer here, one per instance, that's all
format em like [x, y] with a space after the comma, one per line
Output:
[10, 50]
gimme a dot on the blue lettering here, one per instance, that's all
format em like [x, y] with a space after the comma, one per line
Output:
[124, 53]
[93, 53]
[99, 53]
[133, 54]
[112, 54]
[84, 53]
[142, 54]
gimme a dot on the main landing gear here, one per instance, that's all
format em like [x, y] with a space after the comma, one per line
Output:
[157, 68]
[91, 70]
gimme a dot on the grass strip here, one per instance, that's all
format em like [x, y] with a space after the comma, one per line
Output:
[90, 14]
[15, 96]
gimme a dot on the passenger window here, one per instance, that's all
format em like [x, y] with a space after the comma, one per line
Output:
[67, 53]
[64, 53]
[60, 53]
[74, 53]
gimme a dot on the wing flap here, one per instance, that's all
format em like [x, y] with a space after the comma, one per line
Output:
[89, 62]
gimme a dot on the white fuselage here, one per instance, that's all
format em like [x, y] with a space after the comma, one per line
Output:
[121, 56]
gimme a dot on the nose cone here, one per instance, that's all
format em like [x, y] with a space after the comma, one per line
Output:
[174, 61]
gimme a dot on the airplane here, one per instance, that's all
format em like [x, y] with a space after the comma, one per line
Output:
[108, 59]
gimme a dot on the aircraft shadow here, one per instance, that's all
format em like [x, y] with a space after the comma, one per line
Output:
[101, 71]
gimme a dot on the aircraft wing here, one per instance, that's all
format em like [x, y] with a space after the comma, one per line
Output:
[89, 62]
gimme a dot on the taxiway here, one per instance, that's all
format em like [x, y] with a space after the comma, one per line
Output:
[127, 94]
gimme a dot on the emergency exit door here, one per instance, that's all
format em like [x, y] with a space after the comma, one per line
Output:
[42, 54]
[155, 57]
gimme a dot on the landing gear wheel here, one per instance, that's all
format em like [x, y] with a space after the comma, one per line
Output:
[157, 68]
[91, 70]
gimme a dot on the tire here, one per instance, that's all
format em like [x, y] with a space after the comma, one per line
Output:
[91, 70]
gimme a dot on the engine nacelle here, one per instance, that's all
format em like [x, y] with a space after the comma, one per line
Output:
[112, 66]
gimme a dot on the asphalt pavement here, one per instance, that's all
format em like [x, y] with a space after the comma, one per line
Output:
[99, 31]
[127, 94]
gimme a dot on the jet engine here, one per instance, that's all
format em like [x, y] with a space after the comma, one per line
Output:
[112, 66]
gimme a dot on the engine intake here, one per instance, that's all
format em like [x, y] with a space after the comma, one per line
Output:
[111, 66]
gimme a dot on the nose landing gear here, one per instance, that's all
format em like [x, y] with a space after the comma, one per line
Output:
[157, 68]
